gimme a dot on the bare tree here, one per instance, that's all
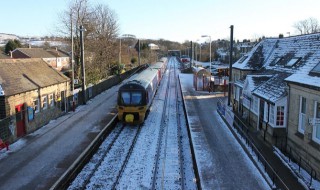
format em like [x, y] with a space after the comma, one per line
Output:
[307, 26]
[101, 27]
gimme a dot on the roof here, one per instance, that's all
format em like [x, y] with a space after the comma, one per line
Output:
[252, 82]
[297, 57]
[35, 52]
[22, 75]
[273, 89]
[58, 53]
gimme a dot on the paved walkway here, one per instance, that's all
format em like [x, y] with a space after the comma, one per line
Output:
[37, 160]
[205, 169]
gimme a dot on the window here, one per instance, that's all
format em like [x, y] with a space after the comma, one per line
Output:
[276, 61]
[136, 98]
[125, 96]
[44, 101]
[293, 61]
[242, 59]
[131, 98]
[316, 127]
[255, 104]
[36, 105]
[51, 100]
[316, 70]
[271, 116]
[280, 116]
[302, 114]
[246, 101]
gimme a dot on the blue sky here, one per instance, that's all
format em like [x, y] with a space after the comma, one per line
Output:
[176, 20]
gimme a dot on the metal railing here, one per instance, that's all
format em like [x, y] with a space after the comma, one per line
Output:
[243, 130]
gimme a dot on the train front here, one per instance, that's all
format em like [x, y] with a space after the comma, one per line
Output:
[132, 104]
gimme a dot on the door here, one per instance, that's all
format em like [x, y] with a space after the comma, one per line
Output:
[20, 120]
[63, 101]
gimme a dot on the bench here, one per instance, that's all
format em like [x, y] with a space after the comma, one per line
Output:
[3, 145]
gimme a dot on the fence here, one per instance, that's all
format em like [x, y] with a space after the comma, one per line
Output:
[242, 129]
[297, 162]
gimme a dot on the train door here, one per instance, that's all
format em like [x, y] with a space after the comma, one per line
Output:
[20, 120]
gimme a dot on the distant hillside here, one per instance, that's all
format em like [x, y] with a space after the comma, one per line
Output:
[6, 37]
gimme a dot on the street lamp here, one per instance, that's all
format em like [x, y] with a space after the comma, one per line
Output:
[82, 29]
[207, 36]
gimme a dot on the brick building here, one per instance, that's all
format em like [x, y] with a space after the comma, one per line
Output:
[31, 94]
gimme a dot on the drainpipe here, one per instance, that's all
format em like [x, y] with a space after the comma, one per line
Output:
[287, 116]
[265, 131]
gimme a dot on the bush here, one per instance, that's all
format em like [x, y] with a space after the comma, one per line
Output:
[133, 60]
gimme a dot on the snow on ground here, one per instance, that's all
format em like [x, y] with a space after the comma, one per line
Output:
[303, 176]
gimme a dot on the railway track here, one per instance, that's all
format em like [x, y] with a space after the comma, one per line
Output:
[112, 155]
[155, 155]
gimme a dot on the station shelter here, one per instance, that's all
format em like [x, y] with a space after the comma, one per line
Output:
[201, 79]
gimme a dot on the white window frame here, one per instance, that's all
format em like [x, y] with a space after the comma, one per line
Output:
[36, 105]
[266, 111]
[272, 115]
[316, 125]
[302, 116]
[283, 109]
[44, 102]
[51, 100]
[246, 101]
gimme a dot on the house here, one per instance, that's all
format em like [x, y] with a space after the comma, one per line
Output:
[31, 94]
[277, 91]
[53, 57]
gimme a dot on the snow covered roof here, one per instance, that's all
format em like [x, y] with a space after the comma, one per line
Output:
[254, 81]
[298, 57]
[273, 89]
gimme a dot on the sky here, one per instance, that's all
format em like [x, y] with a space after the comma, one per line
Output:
[175, 20]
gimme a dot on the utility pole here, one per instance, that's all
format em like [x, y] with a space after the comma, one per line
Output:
[72, 58]
[191, 53]
[139, 52]
[83, 65]
[230, 64]
[119, 55]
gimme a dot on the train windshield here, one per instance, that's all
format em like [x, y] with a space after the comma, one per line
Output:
[131, 98]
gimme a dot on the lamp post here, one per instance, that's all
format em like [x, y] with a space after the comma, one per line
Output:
[119, 53]
[82, 29]
[207, 36]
